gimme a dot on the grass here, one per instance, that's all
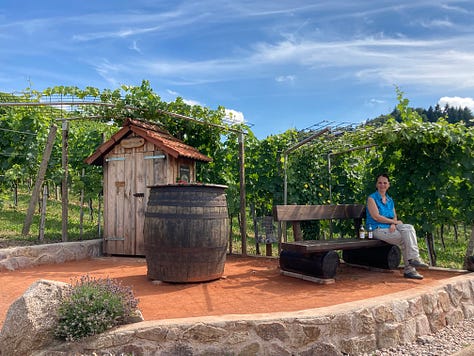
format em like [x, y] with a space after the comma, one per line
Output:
[452, 254]
[12, 219]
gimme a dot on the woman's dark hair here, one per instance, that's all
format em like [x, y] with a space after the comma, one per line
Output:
[385, 175]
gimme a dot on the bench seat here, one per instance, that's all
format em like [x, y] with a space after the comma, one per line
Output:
[318, 258]
[312, 246]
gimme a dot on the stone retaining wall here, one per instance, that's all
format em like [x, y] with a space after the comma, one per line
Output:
[350, 328]
[28, 256]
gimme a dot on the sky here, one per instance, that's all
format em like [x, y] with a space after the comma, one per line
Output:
[277, 65]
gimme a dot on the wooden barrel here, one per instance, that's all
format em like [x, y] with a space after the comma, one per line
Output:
[321, 265]
[385, 257]
[186, 231]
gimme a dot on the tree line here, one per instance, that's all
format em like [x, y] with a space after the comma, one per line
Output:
[449, 113]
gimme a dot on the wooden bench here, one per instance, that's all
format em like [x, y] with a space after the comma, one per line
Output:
[318, 258]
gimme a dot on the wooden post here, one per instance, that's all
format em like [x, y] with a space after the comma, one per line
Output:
[469, 258]
[269, 234]
[64, 185]
[15, 194]
[243, 218]
[431, 250]
[99, 232]
[230, 234]
[43, 213]
[255, 228]
[81, 216]
[268, 249]
[39, 180]
[297, 234]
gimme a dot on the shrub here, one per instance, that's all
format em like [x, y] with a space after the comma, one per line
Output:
[90, 306]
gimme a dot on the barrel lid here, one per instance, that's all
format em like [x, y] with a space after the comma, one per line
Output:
[184, 185]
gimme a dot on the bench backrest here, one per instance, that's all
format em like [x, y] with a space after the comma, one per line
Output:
[318, 212]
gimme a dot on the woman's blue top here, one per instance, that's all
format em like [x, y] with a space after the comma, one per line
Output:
[386, 210]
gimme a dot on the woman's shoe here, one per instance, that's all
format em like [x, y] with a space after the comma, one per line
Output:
[412, 275]
[417, 263]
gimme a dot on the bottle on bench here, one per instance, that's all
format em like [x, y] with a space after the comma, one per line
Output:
[370, 232]
[362, 232]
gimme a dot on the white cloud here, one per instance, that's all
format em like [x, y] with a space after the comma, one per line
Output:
[172, 92]
[234, 116]
[437, 23]
[285, 78]
[176, 94]
[379, 59]
[135, 47]
[457, 102]
[108, 71]
[454, 8]
[122, 33]
[192, 102]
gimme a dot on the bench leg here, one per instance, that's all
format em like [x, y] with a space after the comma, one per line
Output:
[386, 257]
[321, 265]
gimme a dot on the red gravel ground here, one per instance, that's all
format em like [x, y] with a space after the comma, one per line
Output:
[250, 285]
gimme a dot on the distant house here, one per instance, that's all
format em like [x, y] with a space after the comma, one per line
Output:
[137, 156]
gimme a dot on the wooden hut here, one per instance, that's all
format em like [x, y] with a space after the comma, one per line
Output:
[137, 156]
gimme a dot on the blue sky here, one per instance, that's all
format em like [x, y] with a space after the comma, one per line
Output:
[280, 64]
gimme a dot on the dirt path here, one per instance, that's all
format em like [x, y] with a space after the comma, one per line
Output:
[251, 285]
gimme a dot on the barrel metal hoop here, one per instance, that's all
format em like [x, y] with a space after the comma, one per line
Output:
[194, 203]
[174, 216]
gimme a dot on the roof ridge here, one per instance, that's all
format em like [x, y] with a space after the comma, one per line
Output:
[147, 125]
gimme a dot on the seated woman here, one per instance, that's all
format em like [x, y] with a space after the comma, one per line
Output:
[381, 216]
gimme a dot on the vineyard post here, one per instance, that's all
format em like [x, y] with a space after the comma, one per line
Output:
[64, 190]
[81, 216]
[39, 180]
[43, 213]
[468, 259]
[243, 220]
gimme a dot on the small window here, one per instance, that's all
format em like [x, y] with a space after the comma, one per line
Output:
[184, 173]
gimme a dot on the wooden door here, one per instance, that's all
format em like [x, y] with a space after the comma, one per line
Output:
[127, 175]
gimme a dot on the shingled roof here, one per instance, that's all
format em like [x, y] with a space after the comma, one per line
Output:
[151, 133]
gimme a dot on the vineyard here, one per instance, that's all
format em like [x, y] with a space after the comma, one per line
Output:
[431, 165]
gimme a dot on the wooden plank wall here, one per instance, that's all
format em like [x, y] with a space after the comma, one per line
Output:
[126, 195]
[127, 175]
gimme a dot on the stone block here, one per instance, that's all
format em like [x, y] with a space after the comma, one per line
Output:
[321, 348]
[388, 335]
[364, 322]
[422, 325]
[272, 330]
[455, 292]
[444, 303]
[408, 331]
[400, 309]
[358, 345]
[252, 348]
[31, 319]
[383, 314]
[342, 325]
[468, 309]
[454, 316]
[430, 302]
[437, 321]
[203, 333]
[415, 307]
